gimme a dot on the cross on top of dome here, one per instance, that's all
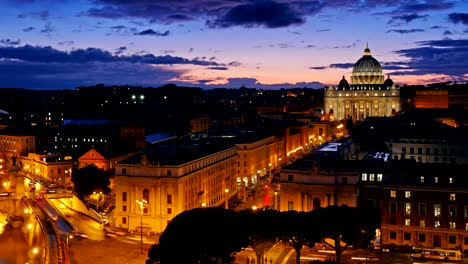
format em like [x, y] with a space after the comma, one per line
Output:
[367, 50]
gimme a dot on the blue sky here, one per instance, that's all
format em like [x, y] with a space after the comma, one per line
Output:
[56, 44]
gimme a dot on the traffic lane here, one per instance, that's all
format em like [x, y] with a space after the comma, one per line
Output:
[62, 225]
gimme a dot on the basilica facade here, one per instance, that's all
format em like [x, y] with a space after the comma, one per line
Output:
[369, 94]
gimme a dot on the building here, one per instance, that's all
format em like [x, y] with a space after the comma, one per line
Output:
[419, 204]
[318, 180]
[51, 167]
[14, 146]
[173, 176]
[368, 95]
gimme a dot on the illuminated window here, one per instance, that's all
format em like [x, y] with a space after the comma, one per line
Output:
[408, 208]
[466, 227]
[437, 210]
[437, 224]
[407, 194]
[465, 211]
[379, 177]
[422, 179]
[452, 225]
[450, 180]
[393, 193]
[436, 179]
[371, 177]
[407, 222]
[422, 223]
[364, 177]
[452, 197]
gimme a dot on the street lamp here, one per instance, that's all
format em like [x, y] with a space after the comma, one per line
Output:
[142, 205]
[226, 194]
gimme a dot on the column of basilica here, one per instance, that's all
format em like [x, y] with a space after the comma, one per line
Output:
[368, 95]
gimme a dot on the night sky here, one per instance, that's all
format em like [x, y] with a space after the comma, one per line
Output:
[55, 44]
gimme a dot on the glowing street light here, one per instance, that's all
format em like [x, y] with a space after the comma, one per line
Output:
[142, 206]
[226, 194]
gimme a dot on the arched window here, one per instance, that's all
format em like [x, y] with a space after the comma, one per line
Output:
[146, 195]
[316, 203]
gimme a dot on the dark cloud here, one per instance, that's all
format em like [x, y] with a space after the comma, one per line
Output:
[49, 54]
[425, 6]
[150, 32]
[318, 68]
[120, 50]
[43, 15]
[219, 68]
[310, 46]
[44, 75]
[323, 30]
[10, 42]
[447, 33]
[436, 27]
[265, 13]
[124, 29]
[458, 18]
[70, 42]
[47, 29]
[342, 65]
[446, 56]
[352, 45]
[405, 31]
[405, 18]
[234, 64]
[254, 83]
[28, 29]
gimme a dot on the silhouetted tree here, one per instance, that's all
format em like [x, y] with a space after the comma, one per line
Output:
[263, 230]
[90, 179]
[338, 224]
[298, 229]
[202, 235]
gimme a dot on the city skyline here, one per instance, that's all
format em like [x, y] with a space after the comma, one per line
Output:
[260, 44]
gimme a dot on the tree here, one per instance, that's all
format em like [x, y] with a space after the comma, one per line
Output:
[338, 227]
[263, 230]
[90, 179]
[298, 229]
[201, 235]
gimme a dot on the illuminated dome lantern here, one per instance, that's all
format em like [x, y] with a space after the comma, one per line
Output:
[367, 70]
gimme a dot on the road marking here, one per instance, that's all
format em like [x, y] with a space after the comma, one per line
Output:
[286, 258]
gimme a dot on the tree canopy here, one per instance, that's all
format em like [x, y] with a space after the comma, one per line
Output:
[215, 235]
[90, 179]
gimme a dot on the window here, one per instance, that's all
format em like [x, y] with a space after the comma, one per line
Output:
[422, 179]
[146, 195]
[411, 150]
[124, 196]
[465, 211]
[452, 197]
[465, 240]
[403, 149]
[290, 205]
[422, 209]
[436, 179]
[290, 178]
[452, 210]
[371, 177]
[379, 177]
[124, 171]
[393, 207]
[450, 180]
[169, 210]
[124, 220]
[407, 208]
[364, 177]
[124, 208]
[169, 173]
[344, 180]
[452, 240]
[145, 210]
[407, 236]
[466, 226]
[428, 151]
[437, 210]
[422, 223]
[407, 194]
[393, 193]
[392, 235]
[422, 237]
[407, 222]
[169, 199]
[437, 224]
[419, 151]
[452, 225]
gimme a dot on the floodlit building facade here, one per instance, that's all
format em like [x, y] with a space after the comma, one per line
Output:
[171, 178]
[368, 95]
